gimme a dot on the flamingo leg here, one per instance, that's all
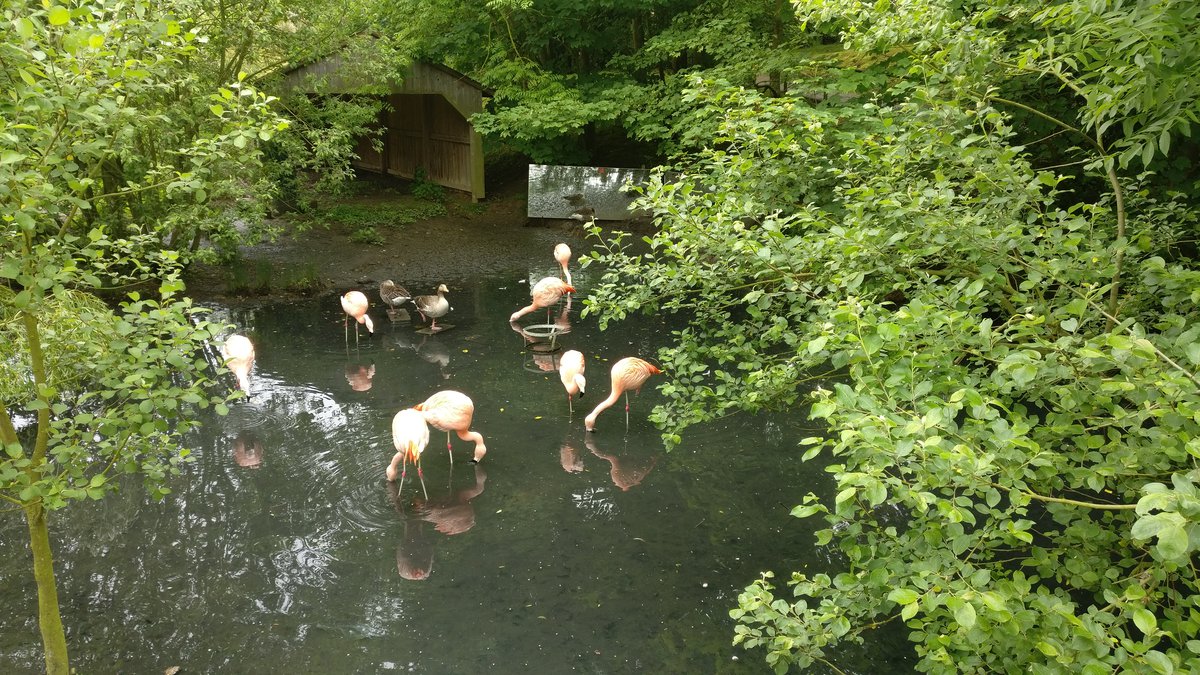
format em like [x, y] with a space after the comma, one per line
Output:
[570, 404]
[626, 412]
[448, 452]
[422, 477]
[403, 473]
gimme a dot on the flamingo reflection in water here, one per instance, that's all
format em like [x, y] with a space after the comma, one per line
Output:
[453, 514]
[626, 469]
[630, 373]
[414, 553]
[359, 376]
[570, 458]
[247, 450]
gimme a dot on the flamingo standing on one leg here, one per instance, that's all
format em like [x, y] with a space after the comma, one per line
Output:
[570, 371]
[452, 411]
[562, 253]
[546, 293]
[433, 307]
[355, 304]
[628, 373]
[410, 435]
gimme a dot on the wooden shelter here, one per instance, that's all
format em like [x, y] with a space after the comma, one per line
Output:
[426, 124]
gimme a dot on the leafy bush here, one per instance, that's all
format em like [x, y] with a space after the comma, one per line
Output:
[1009, 366]
[423, 188]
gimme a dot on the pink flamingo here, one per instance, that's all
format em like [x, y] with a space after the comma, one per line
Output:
[570, 371]
[355, 304]
[410, 435]
[546, 293]
[628, 373]
[238, 352]
[562, 253]
[452, 411]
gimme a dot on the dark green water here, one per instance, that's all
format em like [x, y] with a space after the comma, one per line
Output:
[282, 547]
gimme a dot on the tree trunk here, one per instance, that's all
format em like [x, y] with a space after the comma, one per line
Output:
[54, 639]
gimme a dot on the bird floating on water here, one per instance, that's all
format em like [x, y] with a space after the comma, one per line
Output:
[450, 410]
[628, 373]
[433, 307]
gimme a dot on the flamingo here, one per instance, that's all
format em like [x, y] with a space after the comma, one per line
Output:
[238, 352]
[628, 373]
[545, 293]
[410, 435]
[562, 253]
[448, 411]
[355, 304]
[433, 307]
[570, 371]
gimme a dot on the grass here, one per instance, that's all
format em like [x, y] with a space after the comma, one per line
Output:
[365, 220]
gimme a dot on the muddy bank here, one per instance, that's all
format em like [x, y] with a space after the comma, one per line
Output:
[491, 237]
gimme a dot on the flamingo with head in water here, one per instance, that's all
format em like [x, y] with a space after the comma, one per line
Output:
[562, 253]
[546, 293]
[628, 373]
[410, 435]
[355, 305]
[570, 371]
[453, 411]
[238, 352]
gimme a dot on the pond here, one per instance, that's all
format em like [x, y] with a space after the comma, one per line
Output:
[284, 549]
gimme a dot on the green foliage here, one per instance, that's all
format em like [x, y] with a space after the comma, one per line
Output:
[367, 234]
[382, 214]
[116, 161]
[166, 160]
[423, 188]
[1008, 372]
[566, 74]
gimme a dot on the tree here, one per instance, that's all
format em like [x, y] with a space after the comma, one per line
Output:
[96, 187]
[1008, 370]
[568, 75]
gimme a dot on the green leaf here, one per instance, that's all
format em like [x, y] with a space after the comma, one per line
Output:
[58, 15]
[965, 615]
[1145, 621]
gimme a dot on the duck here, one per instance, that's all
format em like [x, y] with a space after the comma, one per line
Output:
[433, 307]
[392, 295]
[586, 214]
